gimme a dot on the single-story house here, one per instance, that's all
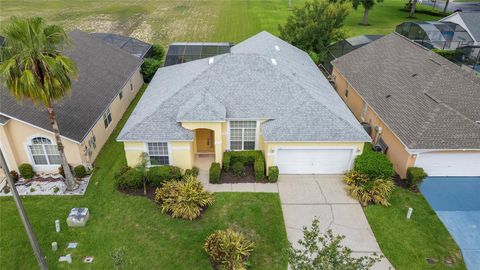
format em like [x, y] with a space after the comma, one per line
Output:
[108, 80]
[470, 21]
[423, 109]
[265, 94]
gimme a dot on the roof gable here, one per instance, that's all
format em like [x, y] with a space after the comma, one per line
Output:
[202, 107]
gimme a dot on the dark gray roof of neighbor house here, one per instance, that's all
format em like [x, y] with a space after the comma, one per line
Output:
[131, 45]
[3, 119]
[359, 41]
[472, 21]
[103, 70]
[428, 101]
[262, 77]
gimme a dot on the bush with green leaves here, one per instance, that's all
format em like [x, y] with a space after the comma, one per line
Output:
[158, 52]
[250, 157]
[214, 173]
[373, 164]
[80, 171]
[273, 173]
[415, 176]
[149, 68]
[194, 171]
[26, 171]
[183, 199]
[366, 190]
[228, 249]
[238, 169]
[324, 251]
[128, 178]
[158, 175]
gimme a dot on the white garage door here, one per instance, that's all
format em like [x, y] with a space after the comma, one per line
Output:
[314, 161]
[449, 164]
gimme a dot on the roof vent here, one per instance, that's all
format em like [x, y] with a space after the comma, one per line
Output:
[210, 60]
[414, 75]
[277, 48]
[387, 96]
[274, 62]
[478, 122]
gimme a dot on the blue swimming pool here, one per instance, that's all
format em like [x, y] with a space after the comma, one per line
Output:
[456, 200]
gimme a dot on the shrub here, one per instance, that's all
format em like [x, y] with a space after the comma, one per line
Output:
[448, 54]
[228, 249]
[415, 176]
[259, 169]
[14, 175]
[214, 172]
[250, 157]
[367, 190]
[128, 178]
[194, 171]
[273, 173]
[26, 171]
[238, 169]
[158, 175]
[373, 164]
[226, 160]
[80, 171]
[149, 67]
[56, 189]
[158, 52]
[183, 199]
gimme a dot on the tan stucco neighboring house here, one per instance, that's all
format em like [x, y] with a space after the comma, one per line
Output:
[109, 79]
[265, 94]
[422, 108]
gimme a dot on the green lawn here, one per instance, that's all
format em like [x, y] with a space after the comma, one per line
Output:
[192, 20]
[152, 240]
[408, 243]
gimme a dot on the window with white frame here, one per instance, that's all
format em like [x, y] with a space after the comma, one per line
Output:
[107, 118]
[158, 153]
[242, 135]
[43, 152]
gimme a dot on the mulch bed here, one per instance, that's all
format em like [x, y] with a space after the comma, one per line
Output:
[139, 192]
[227, 177]
[399, 181]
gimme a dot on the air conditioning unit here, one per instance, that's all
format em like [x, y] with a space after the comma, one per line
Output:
[380, 146]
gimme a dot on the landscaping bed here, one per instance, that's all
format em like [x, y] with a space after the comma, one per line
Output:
[228, 177]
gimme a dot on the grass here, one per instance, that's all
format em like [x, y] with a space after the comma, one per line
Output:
[152, 240]
[408, 243]
[193, 20]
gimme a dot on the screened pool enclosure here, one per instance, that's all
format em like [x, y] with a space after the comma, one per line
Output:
[438, 35]
[181, 52]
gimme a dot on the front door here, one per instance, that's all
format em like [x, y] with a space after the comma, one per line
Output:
[205, 140]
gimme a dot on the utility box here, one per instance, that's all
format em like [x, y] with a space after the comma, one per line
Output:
[78, 217]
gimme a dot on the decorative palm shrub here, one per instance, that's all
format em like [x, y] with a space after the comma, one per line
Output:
[128, 178]
[215, 172]
[183, 199]
[415, 176]
[26, 171]
[228, 249]
[238, 169]
[80, 171]
[367, 190]
[273, 173]
[373, 164]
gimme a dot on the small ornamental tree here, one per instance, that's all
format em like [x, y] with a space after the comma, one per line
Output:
[323, 251]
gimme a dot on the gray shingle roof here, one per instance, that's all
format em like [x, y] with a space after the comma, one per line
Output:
[472, 21]
[428, 101]
[292, 94]
[103, 72]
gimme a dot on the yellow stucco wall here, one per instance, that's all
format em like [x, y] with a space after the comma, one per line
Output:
[218, 128]
[397, 151]
[133, 152]
[16, 136]
[117, 109]
[181, 153]
[270, 148]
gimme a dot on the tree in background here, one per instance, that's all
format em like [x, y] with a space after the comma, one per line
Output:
[315, 26]
[152, 64]
[32, 67]
[367, 5]
[446, 5]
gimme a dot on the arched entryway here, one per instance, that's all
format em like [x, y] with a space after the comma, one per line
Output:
[204, 148]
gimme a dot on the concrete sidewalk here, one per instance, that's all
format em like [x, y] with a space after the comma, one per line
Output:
[240, 187]
[305, 197]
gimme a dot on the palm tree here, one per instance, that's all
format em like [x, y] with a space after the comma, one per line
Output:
[367, 5]
[33, 68]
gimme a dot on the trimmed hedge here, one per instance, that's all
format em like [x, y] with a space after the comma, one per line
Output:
[26, 171]
[415, 176]
[80, 171]
[373, 164]
[214, 173]
[127, 178]
[250, 157]
[273, 173]
[160, 174]
[194, 171]
[238, 169]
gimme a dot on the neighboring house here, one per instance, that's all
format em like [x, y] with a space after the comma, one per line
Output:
[345, 46]
[470, 21]
[265, 94]
[131, 45]
[423, 109]
[108, 80]
[182, 52]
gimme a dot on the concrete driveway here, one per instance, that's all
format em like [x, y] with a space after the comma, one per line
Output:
[305, 197]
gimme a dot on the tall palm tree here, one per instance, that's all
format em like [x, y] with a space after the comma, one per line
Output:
[33, 68]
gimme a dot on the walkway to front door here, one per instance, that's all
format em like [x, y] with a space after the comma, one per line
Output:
[305, 197]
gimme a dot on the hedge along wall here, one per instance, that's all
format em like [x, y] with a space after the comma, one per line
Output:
[250, 157]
